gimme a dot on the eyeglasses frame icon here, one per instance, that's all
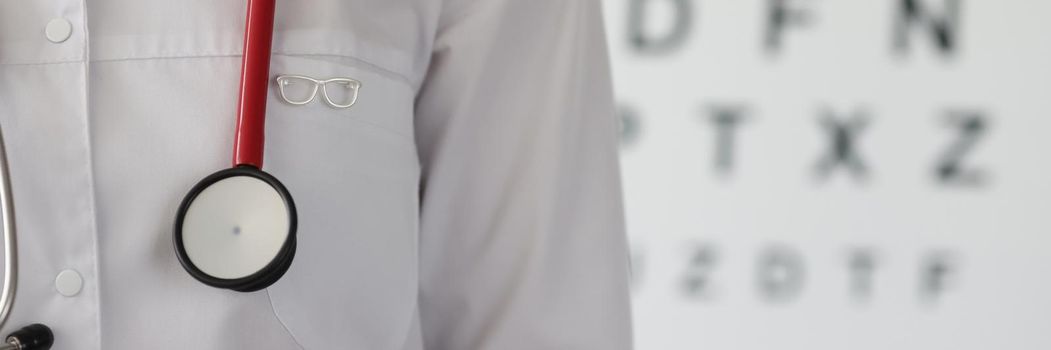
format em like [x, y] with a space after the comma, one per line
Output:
[283, 80]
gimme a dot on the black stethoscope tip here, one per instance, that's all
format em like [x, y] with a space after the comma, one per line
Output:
[32, 337]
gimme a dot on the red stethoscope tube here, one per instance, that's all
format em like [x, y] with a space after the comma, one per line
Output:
[255, 79]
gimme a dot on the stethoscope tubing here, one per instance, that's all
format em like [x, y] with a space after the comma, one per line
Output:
[7, 214]
[255, 79]
[35, 336]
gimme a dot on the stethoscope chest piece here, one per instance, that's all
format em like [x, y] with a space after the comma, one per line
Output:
[236, 229]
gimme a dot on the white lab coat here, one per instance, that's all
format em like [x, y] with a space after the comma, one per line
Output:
[469, 200]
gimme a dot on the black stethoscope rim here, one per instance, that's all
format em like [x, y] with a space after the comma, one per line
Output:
[265, 276]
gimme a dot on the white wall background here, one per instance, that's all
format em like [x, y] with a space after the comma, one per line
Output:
[769, 252]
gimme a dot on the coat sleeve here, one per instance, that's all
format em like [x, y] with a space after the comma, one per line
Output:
[522, 241]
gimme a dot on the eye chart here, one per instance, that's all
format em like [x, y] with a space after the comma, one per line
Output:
[819, 174]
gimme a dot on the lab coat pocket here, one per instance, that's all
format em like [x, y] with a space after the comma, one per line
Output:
[353, 174]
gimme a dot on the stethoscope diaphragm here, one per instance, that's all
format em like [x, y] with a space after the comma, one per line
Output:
[236, 229]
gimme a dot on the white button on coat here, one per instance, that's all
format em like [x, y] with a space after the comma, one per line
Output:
[58, 30]
[68, 283]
